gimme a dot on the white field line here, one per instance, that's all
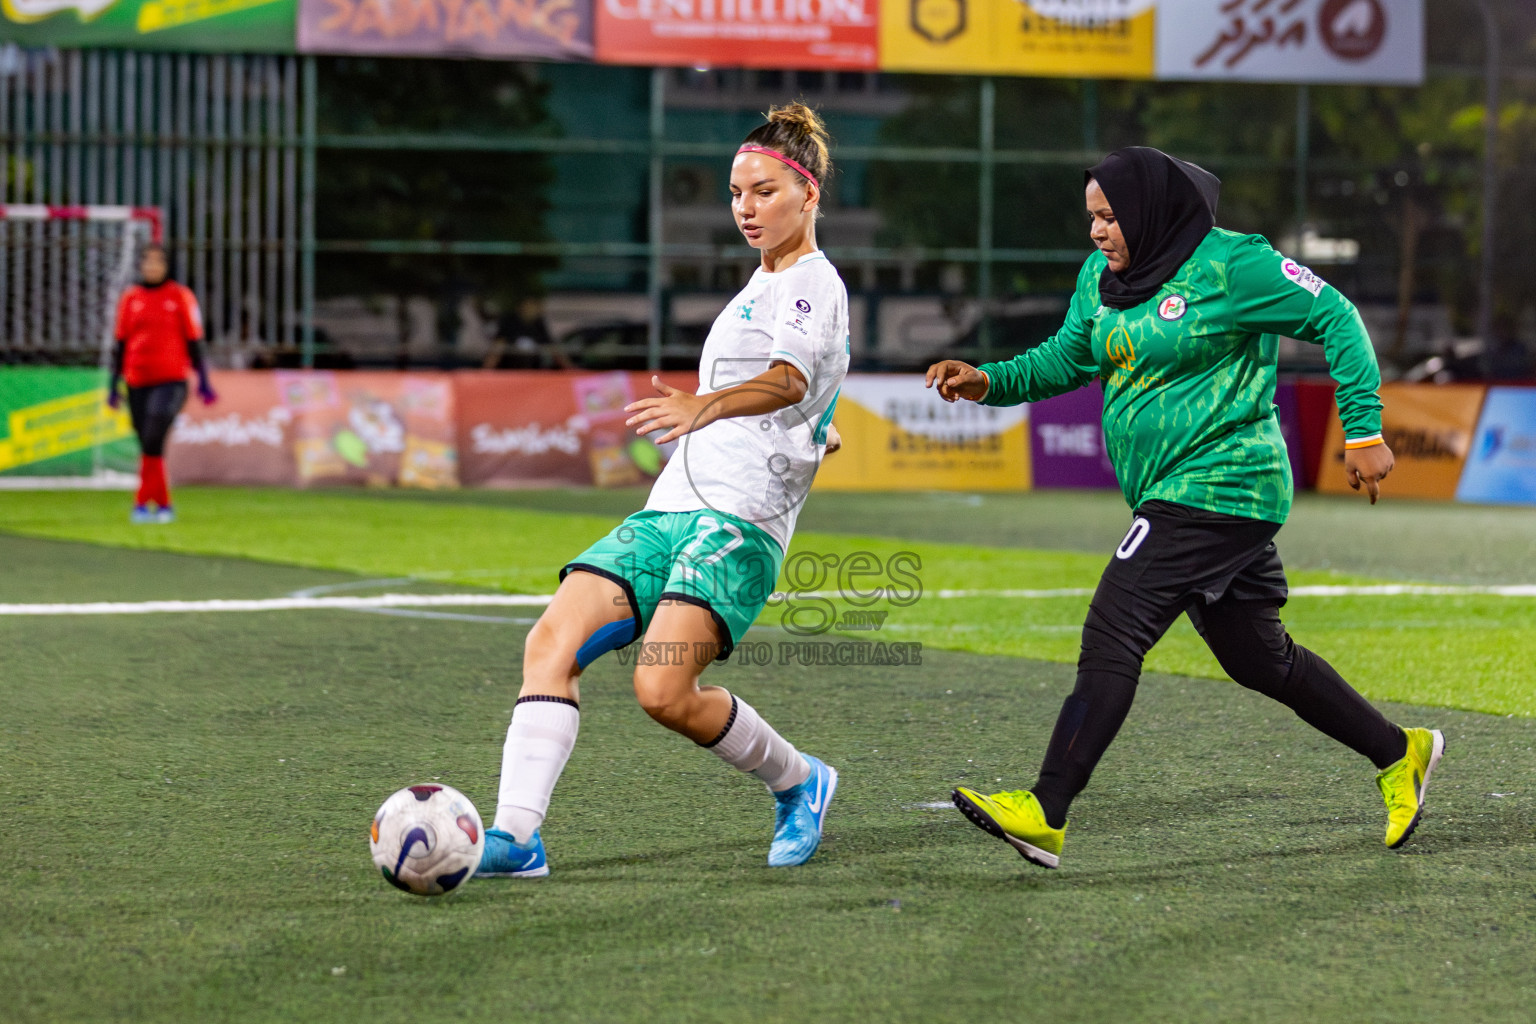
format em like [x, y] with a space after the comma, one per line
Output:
[341, 603]
[110, 480]
[284, 604]
[906, 595]
[1400, 589]
[1321, 590]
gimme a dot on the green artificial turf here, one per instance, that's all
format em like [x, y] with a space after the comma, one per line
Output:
[187, 798]
[1472, 652]
[1395, 539]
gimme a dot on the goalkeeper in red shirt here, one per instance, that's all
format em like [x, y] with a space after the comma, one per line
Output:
[159, 342]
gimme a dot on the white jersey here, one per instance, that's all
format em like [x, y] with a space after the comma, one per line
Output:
[760, 468]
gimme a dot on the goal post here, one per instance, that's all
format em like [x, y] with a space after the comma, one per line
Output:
[62, 272]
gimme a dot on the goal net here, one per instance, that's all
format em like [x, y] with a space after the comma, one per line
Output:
[62, 270]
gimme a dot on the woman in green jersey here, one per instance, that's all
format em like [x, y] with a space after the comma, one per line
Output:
[1179, 319]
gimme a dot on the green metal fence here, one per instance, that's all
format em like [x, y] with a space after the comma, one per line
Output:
[232, 148]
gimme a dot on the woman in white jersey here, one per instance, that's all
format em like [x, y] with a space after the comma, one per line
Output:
[689, 573]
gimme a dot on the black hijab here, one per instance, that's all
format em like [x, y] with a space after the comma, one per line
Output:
[1165, 207]
[170, 271]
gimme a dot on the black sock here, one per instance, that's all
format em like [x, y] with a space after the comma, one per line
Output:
[1321, 698]
[1254, 648]
[1087, 725]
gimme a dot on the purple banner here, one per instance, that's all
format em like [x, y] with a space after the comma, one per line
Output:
[1066, 441]
[1290, 428]
[556, 29]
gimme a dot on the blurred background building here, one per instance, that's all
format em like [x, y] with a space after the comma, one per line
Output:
[395, 207]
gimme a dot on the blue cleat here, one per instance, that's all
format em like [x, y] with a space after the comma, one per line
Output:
[141, 514]
[797, 827]
[503, 858]
[165, 515]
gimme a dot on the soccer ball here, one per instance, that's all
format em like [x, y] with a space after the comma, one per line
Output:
[427, 839]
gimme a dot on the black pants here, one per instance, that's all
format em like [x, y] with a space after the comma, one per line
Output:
[1225, 573]
[153, 409]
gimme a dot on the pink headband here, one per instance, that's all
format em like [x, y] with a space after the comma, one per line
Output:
[750, 148]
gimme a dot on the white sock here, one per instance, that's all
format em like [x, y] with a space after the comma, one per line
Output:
[539, 742]
[750, 744]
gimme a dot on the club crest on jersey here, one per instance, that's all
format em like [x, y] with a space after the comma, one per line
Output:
[1301, 277]
[1120, 349]
[1172, 308]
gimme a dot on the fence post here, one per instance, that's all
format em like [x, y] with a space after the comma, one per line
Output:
[986, 174]
[1303, 152]
[653, 230]
[1091, 118]
[1490, 177]
[307, 216]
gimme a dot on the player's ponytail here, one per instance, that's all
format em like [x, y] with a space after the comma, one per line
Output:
[797, 132]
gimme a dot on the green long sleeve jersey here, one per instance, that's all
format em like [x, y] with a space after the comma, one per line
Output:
[1189, 375]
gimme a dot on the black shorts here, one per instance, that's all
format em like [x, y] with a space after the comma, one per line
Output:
[1178, 559]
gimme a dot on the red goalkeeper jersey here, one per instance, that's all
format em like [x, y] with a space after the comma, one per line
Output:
[154, 323]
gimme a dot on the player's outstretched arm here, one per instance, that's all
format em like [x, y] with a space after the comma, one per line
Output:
[1064, 362]
[956, 380]
[678, 412]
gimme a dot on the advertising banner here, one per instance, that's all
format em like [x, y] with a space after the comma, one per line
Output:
[210, 26]
[900, 436]
[315, 428]
[1066, 438]
[543, 429]
[53, 418]
[831, 34]
[1501, 469]
[1429, 428]
[1288, 405]
[1315, 410]
[1066, 441]
[244, 438]
[513, 29]
[1073, 38]
[1380, 41]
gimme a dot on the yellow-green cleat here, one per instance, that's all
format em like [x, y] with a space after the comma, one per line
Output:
[1403, 784]
[1015, 818]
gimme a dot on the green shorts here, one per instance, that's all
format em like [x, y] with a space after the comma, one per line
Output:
[716, 561]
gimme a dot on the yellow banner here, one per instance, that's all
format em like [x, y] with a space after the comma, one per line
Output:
[1429, 428]
[1070, 38]
[61, 426]
[162, 14]
[898, 436]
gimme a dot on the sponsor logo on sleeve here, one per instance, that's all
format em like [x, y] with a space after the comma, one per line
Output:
[802, 314]
[1301, 277]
